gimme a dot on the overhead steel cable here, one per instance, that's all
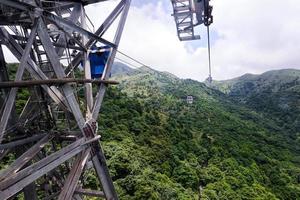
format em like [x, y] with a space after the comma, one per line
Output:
[135, 60]
[209, 55]
[127, 63]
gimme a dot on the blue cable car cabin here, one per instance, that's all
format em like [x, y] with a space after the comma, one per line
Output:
[98, 58]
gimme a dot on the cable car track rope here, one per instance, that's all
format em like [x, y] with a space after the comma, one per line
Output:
[209, 53]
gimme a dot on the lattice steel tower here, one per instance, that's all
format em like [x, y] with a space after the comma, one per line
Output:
[64, 66]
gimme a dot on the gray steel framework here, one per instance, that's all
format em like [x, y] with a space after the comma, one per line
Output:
[188, 14]
[54, 139]
[183, 12]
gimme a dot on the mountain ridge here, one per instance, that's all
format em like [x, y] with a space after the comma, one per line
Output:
[283, 74]
[276, 94]
[229, 149]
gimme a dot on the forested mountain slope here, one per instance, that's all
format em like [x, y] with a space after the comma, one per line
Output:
[276, 94]
[218, 148]
[160, 147]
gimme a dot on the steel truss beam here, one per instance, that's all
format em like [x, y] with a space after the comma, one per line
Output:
[20, 142]
[18, 181]
[20, 84]
[100, 32]
[90, 193]
[3, 77]
[40, 51]
[59, 71]
[73, 178]
[12, 94]
[31, 67]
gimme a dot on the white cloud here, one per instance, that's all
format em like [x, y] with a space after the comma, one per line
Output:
[150, 36]
[248, 37]
[254, 36]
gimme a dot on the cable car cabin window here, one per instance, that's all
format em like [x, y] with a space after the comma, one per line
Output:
[98, 58]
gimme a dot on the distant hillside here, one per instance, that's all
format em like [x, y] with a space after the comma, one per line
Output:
[147, 82]
[276, 80]
[120, 69]
[160, 147]
[274, 93]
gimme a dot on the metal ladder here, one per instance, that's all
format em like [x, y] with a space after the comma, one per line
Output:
[59, 116]
[184, 19]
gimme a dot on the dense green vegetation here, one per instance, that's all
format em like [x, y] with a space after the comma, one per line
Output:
[159, 147]
[218, 148]
[276, 94]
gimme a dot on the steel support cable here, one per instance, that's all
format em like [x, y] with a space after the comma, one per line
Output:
[209, 54]
[135, 60]
[127, 63]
